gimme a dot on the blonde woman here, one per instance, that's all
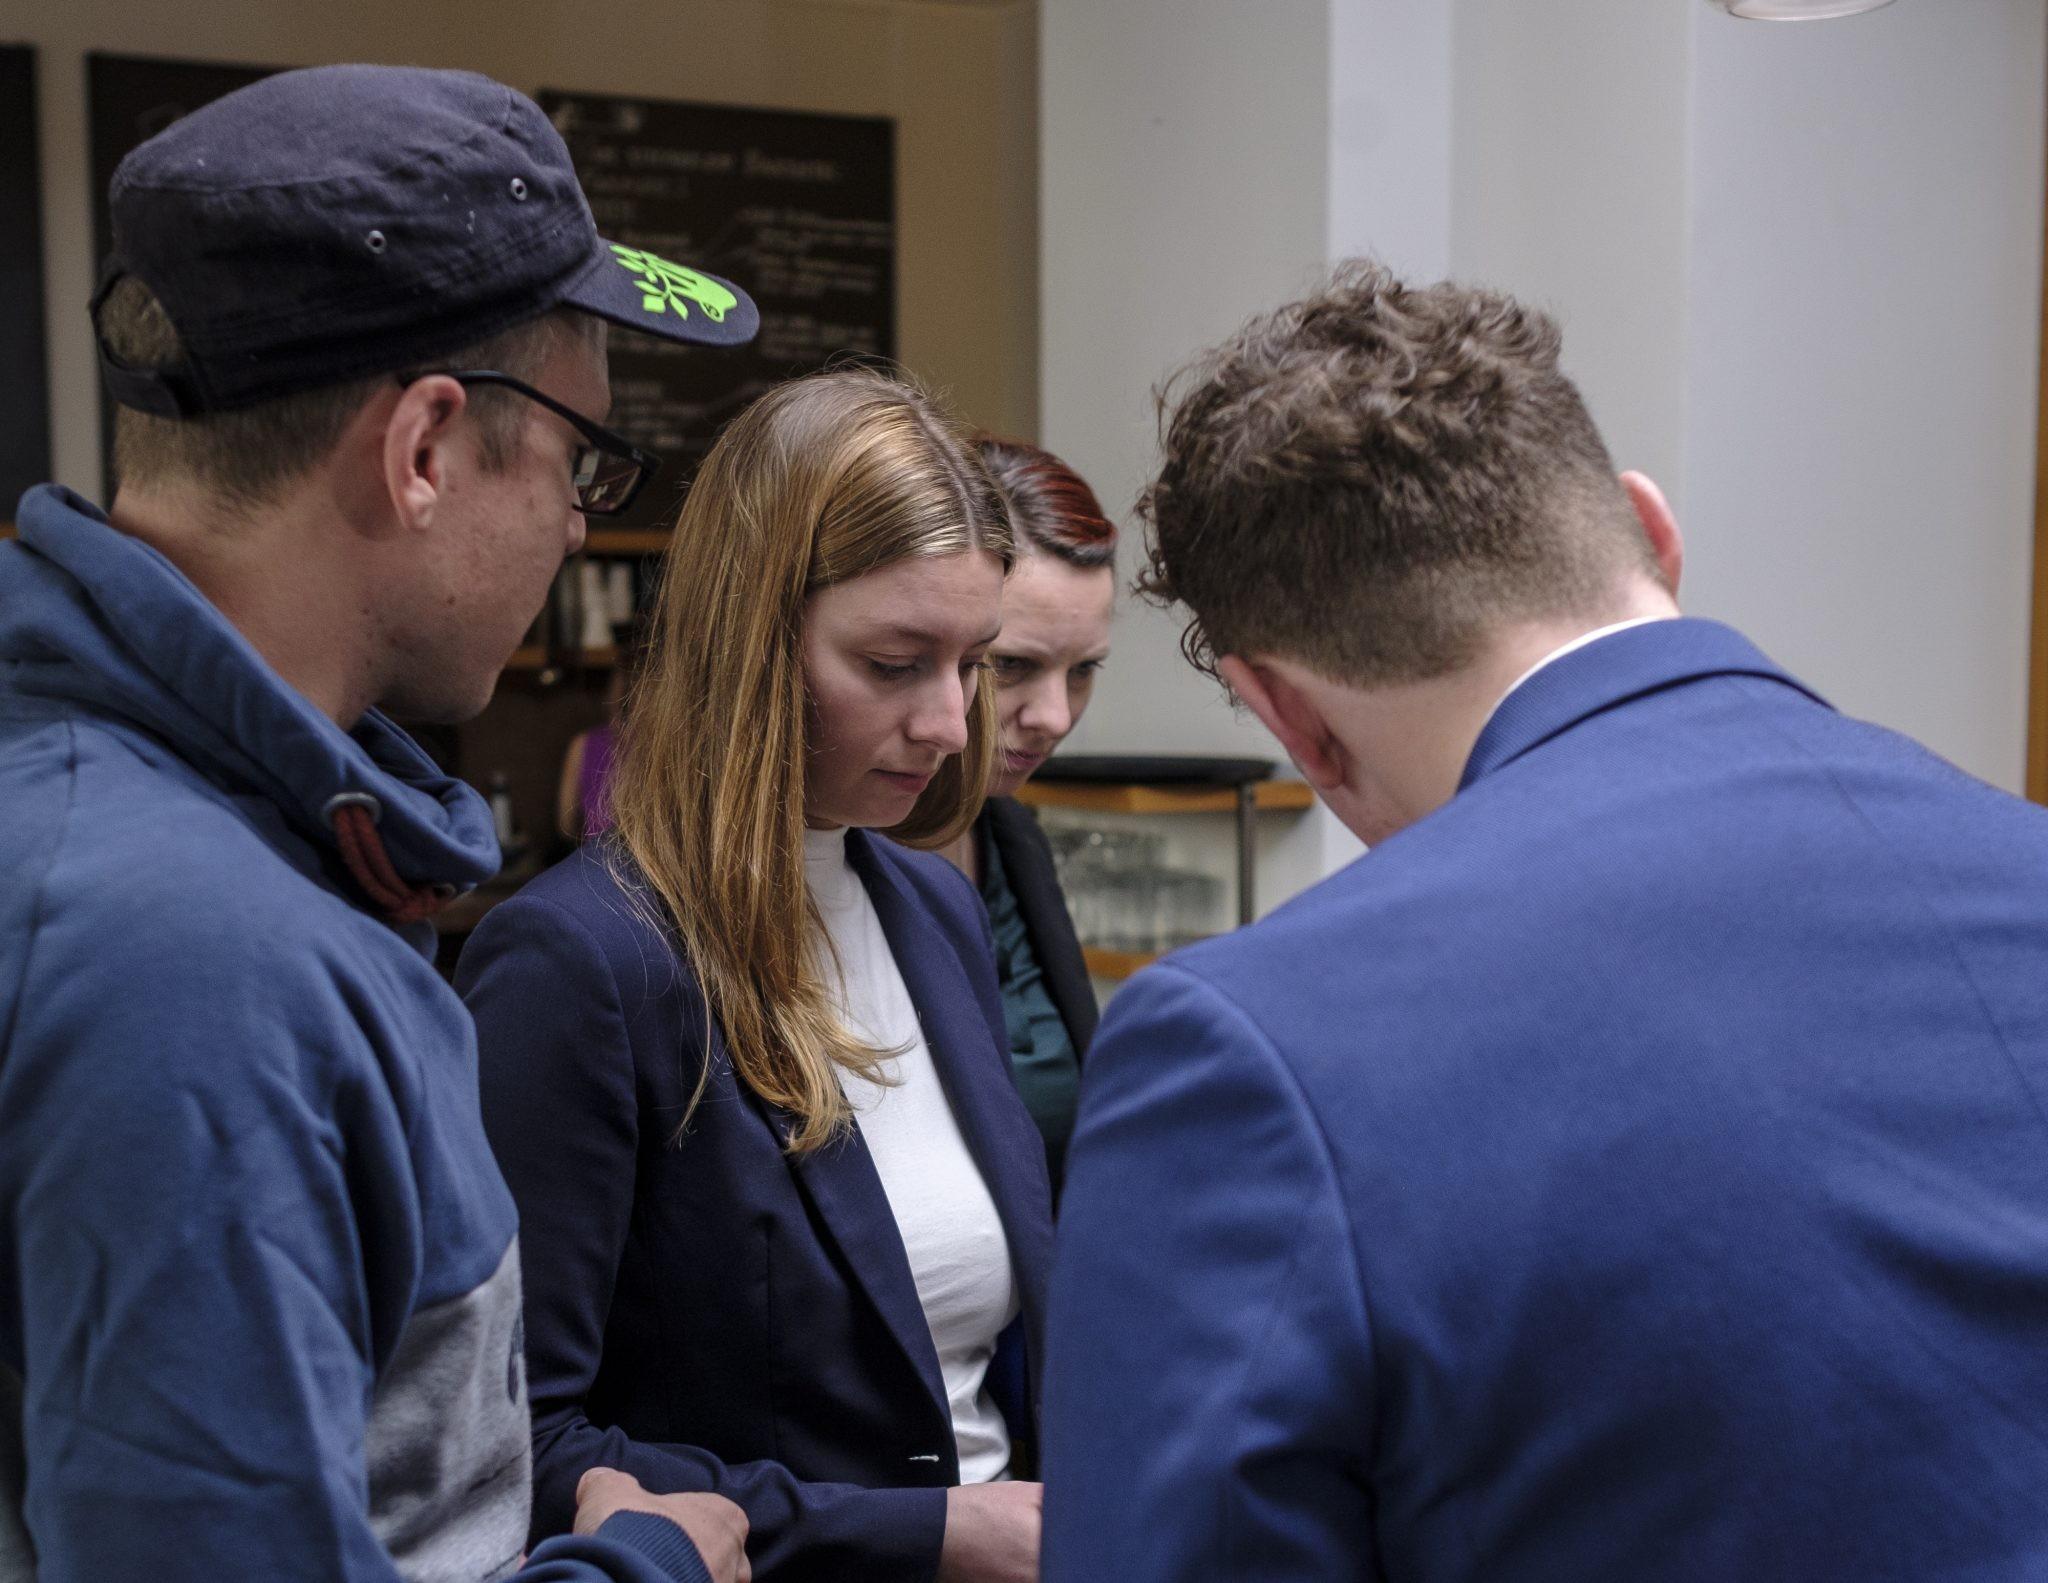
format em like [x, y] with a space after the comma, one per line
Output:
[785, 1219]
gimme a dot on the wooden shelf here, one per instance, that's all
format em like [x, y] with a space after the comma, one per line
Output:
[1103, 797]
[626, 541]
[6, 530]
[1105, 963]
[536, 659]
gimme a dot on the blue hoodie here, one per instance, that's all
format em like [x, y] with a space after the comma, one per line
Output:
[259, 1289]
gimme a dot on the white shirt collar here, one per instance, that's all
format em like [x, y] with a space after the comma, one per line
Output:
[1561, 651]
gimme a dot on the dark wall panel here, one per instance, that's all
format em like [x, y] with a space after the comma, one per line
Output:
[24, 357]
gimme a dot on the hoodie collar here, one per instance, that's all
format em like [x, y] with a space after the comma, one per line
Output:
[91, 614]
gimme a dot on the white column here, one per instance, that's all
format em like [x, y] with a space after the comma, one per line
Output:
[1182, 188]
[1203, 161]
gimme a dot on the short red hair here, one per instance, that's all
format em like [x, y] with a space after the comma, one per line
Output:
[1051, 508]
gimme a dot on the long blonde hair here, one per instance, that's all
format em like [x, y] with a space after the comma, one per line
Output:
[820, 481]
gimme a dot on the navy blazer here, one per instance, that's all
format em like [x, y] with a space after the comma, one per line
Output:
[1637, 1169]
[711, 1313]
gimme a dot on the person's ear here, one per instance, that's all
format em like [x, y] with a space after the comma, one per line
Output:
[1660, 527]
[1291, 714]
[416, 446]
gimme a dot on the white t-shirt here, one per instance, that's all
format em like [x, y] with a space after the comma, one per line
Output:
[959, 1255]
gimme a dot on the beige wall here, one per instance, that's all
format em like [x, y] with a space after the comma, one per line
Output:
[960, 80]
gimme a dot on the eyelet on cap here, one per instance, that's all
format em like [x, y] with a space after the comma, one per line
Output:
[519, 189]
[374, 241]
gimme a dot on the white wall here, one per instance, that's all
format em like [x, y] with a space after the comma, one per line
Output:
[1391, 73]
[1862, 357]
[1203, 161]
[1184, 171]
[1569, 190]
[1183, 156]
[1799, 272]
[1798, 269]
[1390, 79]
[960, 81]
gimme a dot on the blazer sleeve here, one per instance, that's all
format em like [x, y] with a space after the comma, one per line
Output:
[561, 1106]
[1209, 1390]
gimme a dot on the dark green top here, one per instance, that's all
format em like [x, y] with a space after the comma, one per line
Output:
[1041, 1054]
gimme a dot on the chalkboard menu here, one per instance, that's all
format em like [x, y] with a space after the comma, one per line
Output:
[131, 98]
[24, 360]
[799, 209]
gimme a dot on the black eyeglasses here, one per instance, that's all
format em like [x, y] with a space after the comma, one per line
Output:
[608, 471]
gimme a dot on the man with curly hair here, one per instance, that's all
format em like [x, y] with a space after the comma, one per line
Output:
[1635, 1166]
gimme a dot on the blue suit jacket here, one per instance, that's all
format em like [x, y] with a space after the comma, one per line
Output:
[713, 1314]
[1636, 1170]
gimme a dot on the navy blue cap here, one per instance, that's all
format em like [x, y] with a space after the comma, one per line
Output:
[341, 222]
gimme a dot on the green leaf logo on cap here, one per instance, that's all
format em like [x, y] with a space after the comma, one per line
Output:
[666, 287]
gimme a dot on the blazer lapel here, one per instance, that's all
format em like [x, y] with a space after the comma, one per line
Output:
[1610, 671]
[975, 1072]
[842, 1185]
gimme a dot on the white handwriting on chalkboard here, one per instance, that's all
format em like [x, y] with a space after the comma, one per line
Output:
[695, 161]
[775, 167]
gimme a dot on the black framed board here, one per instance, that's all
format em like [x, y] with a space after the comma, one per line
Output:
[129, 99]
[24, 352]
[798, 208]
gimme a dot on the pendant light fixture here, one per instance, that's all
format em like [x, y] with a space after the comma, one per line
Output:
[1795, 10]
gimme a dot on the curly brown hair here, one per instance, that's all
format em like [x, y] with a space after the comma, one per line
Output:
[1371, 479]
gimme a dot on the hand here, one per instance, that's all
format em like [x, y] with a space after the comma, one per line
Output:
[715, 1525]
[992, 1533]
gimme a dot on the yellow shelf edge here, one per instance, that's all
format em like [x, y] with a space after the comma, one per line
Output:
[1105, 963]
[1279, 796]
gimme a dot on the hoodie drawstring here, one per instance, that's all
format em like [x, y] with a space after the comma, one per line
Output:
[354, 820]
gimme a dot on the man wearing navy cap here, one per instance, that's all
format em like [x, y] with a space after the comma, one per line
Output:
[259, 1285]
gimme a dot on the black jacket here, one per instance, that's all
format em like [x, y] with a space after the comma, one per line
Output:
[1027, 859]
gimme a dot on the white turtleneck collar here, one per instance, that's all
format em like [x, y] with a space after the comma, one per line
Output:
[830, 876]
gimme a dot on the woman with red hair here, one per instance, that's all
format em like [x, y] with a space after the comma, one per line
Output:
[1055, 638]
